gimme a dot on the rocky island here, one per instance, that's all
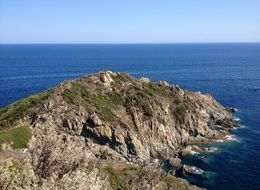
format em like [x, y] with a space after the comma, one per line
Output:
[106, 131]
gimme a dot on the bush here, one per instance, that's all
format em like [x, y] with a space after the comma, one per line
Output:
[136, 97]
[123, 179]
[103, 107]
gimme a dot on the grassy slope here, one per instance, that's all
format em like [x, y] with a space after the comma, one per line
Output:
[17, 137]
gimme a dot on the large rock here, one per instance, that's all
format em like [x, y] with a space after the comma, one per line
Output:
[192, 170]
[175, 163]
[194, 149]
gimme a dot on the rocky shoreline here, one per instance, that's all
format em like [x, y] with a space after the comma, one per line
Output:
[107, 131]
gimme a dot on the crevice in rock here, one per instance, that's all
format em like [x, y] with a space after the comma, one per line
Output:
[130, 146]
[102, 140]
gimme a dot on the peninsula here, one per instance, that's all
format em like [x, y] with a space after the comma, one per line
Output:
[106, 131]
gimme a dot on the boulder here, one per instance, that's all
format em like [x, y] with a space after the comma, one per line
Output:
[192, 170]
[145, 80]
[175, 163]
[192, 149]
[230, 109]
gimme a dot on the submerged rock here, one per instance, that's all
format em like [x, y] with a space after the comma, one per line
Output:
[211, 149]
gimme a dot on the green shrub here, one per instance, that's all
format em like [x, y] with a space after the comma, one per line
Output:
[174, 183]
[181, 108]
[114, 97]
[76, 92]
[146, 108]
[136, 97]
[180, 112]
[189, 106]
[115, 178]
[152, 89]
[103, 106]
[161, 120]
[119, 78]
[122, 179]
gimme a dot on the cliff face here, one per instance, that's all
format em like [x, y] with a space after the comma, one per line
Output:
[105, 131]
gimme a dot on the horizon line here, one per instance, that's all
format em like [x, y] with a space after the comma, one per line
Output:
[123, 43]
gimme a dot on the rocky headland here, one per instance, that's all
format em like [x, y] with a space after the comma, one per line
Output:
[106, 131]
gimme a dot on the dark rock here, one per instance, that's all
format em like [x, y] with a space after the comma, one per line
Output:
[227, 123]
[230, 109]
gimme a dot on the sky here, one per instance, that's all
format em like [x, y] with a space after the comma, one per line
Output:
[129, 21]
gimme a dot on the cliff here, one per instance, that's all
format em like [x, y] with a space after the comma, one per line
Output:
[104, 131]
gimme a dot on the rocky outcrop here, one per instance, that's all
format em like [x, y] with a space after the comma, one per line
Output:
[194, 149]
[110, 118]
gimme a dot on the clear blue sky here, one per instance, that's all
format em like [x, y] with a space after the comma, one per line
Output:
[129, 21]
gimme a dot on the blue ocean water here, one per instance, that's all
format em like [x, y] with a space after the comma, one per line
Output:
[230, 72]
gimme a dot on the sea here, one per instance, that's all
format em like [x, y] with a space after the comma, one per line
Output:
[230, 72]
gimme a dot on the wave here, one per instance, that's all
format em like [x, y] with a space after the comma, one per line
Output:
[227, 138]
[41, 76]
[255, 90]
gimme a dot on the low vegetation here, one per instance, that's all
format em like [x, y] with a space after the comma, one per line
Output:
[175, 183]
[133, 177]
[21, 108]
[76, 92]
[161, 120]
[96, 99]
[137, 98]
[127, 177]
[120, 78]
[181, 109]
[139, 95]
[16, 137]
